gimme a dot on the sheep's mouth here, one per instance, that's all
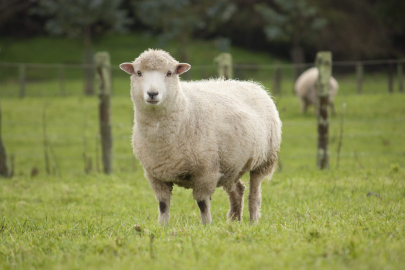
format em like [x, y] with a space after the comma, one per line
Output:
[153, 102]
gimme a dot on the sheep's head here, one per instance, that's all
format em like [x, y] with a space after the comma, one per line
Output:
[154, 77]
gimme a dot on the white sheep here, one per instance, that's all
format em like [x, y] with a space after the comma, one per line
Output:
[201, 135]
[305, 89]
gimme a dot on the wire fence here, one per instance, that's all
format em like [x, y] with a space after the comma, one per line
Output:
[354, 77]
[75, 144]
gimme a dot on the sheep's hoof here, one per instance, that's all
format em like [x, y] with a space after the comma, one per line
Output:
[164, 223]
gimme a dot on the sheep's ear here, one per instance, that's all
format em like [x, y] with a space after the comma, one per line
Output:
[182, 67]
[128, 68]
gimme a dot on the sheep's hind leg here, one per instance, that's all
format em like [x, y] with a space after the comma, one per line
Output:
[255, 196]
[304, 105]
[163, 193]
[236, 201]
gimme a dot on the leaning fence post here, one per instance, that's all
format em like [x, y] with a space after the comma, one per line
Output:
[359, 73]
[400, 78]
[390, 78]
[103, 69]
[324, 65]
[224, 65]
[22, 80]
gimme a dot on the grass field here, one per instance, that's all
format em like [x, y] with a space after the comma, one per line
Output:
[52, 81]
[351, 217]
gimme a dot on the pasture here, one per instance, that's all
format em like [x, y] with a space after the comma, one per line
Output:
[347, 217]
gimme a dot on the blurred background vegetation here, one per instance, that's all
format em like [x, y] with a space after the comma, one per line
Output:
[57, 209]
[47, 49]
[256, 32]
[290, 29]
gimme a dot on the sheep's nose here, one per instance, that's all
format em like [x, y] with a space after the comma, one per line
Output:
[152, 94]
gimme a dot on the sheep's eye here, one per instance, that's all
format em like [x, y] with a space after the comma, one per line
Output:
[169, 73]
[139, 73]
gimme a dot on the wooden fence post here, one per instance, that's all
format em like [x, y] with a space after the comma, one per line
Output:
[324, 65]
[224, 65]
[103, 70]
[4, 171]
[400, 78]
[359, 73]
[277, 76]
[22, 80]
[62, 80]
[390, 78]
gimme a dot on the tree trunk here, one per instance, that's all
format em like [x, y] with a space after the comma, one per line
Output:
[88, 60]
[3, 156]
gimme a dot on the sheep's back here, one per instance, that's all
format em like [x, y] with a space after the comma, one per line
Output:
[305, 86]
[306, 82]
[242, 116]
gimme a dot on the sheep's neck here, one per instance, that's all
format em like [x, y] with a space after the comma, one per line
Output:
[163, 124]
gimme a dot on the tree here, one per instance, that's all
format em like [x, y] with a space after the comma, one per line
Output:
[83, 19]
[181, 19]
[8, 9]
[292, 21]
[354, 30]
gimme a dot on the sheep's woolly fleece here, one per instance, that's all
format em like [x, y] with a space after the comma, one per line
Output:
[155, 59]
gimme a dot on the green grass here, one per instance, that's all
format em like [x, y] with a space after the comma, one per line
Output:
[45, 81]
[122, 48]
[347, 217]
[373, 131]
[310, 219]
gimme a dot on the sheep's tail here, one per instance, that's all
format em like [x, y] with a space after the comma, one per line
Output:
[275, 141]
[268, 166]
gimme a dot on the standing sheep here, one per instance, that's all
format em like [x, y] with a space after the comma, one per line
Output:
[305, 88]
[201, 135]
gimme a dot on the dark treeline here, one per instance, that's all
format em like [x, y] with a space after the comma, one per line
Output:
[292, 29]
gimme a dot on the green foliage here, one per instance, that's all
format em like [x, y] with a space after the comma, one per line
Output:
[179, 19]
[291, 20]
[390, 13]
[71, 17]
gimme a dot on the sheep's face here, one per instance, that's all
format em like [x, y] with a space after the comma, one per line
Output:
[153, 87]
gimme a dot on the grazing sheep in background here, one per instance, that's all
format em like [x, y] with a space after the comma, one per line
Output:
[201, 135]
[305, 88]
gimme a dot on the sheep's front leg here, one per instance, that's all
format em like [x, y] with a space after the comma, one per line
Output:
[163, 192]
[202, 192]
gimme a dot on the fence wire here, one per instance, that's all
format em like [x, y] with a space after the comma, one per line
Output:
[42, 80]
[354, 77]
